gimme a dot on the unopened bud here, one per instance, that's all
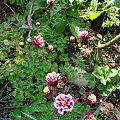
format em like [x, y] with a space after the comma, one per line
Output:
[72, 39]
[21, 44]
[37, 24]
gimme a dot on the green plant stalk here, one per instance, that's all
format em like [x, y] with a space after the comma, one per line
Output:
[108, 44]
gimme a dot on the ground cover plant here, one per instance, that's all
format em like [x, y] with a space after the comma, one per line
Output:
[59, 60]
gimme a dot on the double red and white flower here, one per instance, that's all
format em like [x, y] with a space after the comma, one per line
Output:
[37, 41]
[64, 103]
[84, 36]
[53, 79]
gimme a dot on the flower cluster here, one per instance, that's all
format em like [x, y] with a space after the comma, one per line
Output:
[63, 103]
[90, 99]
[89, 116]
[84, 36]
[37, 41]
[50, 2]
[53, 79]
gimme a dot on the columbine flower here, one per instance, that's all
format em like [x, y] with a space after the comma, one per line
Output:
[83, 35]
[47, 91]
[64, 103]
[21, 44]
[37, 24]
[53, 79]
[49, 48]
[37, 41]
[89, 116]
[50, 2]
[86, 52]
[90, 99]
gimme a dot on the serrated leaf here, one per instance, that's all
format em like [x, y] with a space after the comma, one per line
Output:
[94, 15]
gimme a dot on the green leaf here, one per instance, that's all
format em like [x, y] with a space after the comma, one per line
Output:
[101, 87]
[94, 4]
[74, 26]
[54, 67]
[29, 116]
[73, 12]
[91, 84]
[117, 3]
[113, 73]
[12, 1]
[104, 80]
[94, 15]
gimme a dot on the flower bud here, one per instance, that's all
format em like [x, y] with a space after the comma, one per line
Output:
[49, 48]
[28, 39]
[47, 12]
[47, 91]
[72, 39]
[89, 116]
[79, 45]
[50, 2]
[90, 99]
[37, 24]
[21, 44]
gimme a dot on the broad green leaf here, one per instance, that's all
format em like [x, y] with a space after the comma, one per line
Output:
[74, 26]
[94, 4]
[94, 15]
[60, 24]
[73, 12]
[103, 81]
[113, 73]
[29, 116]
